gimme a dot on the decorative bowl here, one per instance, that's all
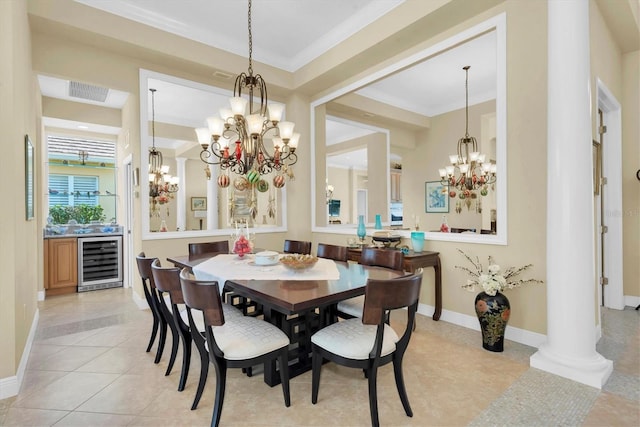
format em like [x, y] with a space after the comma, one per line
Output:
[266, 258]
[298, 262]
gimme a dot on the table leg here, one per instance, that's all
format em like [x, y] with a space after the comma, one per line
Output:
[271, 374]
[438, 271]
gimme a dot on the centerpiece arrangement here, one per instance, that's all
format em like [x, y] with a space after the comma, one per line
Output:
[492, 307]
[242, 244]
[298, 262]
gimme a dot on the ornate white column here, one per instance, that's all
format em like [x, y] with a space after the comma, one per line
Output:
[212, 199]
[181, 198]
[570, 350]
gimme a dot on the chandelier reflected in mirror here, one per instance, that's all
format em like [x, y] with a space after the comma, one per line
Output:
[249, 138]
[162, 186]
[470, 172]
[328, 191]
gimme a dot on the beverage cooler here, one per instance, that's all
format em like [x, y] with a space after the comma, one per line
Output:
[99, 263]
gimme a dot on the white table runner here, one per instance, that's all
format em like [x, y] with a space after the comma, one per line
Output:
[225, 267]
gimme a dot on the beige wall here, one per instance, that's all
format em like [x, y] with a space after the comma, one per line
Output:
[19, 113]
[630, 165]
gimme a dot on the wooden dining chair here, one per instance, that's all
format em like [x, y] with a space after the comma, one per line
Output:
[163, 301]
[334, 252]
[233, 342]
[369, 342]
[151, 295]
[168, 280]
[386, 258]
[297, 247]
[221, 246]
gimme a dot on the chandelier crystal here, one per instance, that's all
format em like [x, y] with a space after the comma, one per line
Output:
[469, 172]
[161, 184]
[249, 138]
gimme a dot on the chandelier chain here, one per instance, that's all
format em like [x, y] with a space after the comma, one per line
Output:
[466, 89]
[250, 42]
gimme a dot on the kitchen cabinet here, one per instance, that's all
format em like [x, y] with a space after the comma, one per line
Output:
[396, 185]
[61, 265]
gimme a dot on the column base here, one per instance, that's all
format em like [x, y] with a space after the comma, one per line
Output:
[593, 372]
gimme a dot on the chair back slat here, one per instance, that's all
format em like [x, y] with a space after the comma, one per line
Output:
[297, 247]
[387, 258]
[167, 279]
[391, 294]
[334, 252]
[144, 268]
[202, 295]
[221, 246]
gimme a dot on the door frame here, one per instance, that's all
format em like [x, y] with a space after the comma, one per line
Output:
[127, 167]
[612, 194]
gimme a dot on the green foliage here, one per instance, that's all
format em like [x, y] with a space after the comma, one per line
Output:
[83, 214]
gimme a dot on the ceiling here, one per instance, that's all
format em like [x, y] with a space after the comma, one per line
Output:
[288, 34]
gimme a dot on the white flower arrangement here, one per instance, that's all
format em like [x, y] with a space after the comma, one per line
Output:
[493, 281]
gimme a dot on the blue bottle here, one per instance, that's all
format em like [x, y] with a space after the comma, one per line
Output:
[362, 231]
[378, 222]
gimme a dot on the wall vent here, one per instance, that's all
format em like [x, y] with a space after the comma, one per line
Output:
[85, 91]
[222, 75]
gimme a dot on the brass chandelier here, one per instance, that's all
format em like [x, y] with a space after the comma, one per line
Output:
[469, 172]
[237, 140]
[161, 184]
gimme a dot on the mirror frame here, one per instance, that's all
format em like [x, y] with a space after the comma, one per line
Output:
[145, 143]
[496, 23]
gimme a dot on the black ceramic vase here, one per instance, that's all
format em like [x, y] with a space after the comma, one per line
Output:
[493, 313]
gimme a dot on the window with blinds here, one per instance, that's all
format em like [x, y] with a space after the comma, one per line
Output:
[72, 190]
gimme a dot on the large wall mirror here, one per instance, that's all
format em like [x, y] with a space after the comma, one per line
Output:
[379, 142]
[199, 207]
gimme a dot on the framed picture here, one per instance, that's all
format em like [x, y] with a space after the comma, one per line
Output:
[198, 203]
[29, 179]
[436, 197]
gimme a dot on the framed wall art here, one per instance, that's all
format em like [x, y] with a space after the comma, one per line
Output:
[198, 203]
[436, 197]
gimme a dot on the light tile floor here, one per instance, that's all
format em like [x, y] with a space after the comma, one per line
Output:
[88, 367]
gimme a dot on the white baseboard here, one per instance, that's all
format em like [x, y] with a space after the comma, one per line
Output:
[631, 301]
[10, 386]
[140, 302]
[522, 336]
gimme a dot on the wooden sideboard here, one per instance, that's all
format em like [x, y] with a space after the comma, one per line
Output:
[413, 261]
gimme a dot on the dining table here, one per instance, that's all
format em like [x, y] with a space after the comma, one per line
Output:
[297, 302]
